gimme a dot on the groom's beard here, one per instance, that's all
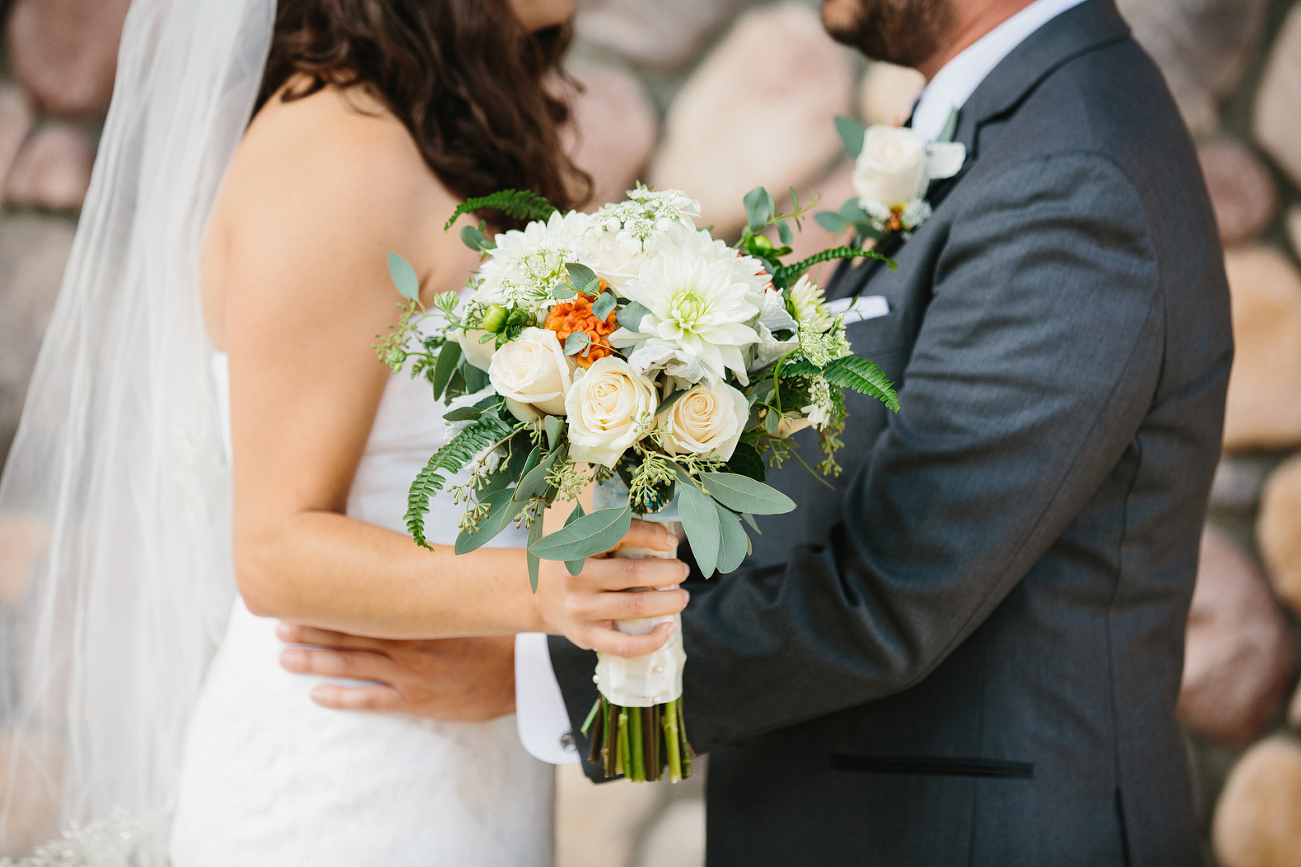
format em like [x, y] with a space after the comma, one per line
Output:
[905, 32]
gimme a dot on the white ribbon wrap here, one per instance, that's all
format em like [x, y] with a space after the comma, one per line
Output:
[645, 681]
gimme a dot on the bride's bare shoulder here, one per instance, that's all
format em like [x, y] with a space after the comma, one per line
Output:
[332, 149]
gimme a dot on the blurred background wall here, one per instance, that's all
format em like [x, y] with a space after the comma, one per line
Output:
[717, 96]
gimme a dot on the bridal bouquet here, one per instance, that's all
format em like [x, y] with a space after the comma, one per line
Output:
[631, 350]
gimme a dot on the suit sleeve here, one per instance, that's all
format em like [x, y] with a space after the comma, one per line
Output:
[1036, 362]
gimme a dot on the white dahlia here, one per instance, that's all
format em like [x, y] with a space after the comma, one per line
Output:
[696, 305]
[679, 239]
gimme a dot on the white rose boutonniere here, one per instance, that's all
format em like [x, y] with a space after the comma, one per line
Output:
[893, 170]
[532, 374]
[607, 404]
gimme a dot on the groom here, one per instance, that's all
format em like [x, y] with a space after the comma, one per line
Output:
[969, 653]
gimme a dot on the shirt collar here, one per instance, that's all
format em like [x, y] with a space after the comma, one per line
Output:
[953, 85]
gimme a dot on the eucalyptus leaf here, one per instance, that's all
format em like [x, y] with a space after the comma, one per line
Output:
[631, 315]
[476, 380]
[749, 519]
[669, 401]
[852, 133]
[772, 421]
[588, 536]
[784, 232]
[831, 221]
[520, 449]
[496, 482]
[584, 278]
[758, 209]
[853, 212]
[575, 567]
[472, 238]
[502, 511]
[465, 413]
[535, 564]
[742, 494]
[733, 543]
[535, 455]
[455, 386]
[448, 357]
[604, 305]
[700, 519]
[563, 293]
[404, 277]
[577, 342]
[747, 462]
[535, 480]
[555, 427]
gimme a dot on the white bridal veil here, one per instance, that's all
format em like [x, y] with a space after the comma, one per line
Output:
[116, 485]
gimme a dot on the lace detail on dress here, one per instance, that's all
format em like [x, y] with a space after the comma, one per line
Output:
[123, 840]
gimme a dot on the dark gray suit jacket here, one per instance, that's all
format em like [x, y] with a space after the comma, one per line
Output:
[969, 652]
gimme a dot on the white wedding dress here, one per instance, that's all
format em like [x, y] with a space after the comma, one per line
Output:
[272, 780]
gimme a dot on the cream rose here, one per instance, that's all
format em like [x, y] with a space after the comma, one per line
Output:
[891, 168]
[532, 371]
[476, 350]
[706, 421]
[606, 406]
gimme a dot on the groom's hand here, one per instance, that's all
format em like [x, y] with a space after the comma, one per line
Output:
[455, 679]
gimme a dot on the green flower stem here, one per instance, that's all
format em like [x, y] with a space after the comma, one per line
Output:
[609, 750]
[672, 740]
[595, 728]
[640, 743]
[637, 771]
[623, 763]
[687, 753]
[652, 734]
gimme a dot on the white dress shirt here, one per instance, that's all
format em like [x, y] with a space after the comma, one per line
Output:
[543, 720]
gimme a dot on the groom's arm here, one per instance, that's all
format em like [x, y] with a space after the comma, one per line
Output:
[1036, 363]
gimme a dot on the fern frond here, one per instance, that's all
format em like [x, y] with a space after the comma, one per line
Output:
[451, 458]
[785, 276]
[799, 368]
[862, 376]
[520, 204]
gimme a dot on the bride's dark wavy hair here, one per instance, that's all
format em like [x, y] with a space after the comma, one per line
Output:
[464, 77]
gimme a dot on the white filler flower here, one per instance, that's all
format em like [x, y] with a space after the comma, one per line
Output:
[697, 305]
[526, 265]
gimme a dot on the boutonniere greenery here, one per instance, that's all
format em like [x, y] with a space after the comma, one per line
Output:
[894, 168]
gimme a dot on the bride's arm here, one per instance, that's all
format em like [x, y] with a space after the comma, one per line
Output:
[304, 245]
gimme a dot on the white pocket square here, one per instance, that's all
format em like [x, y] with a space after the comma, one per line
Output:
[860, 309]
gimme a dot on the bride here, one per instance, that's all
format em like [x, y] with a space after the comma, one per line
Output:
[211, 355]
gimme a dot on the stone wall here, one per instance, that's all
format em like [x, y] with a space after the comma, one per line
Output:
[716, 96]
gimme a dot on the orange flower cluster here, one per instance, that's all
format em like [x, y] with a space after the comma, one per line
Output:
[570, 317]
